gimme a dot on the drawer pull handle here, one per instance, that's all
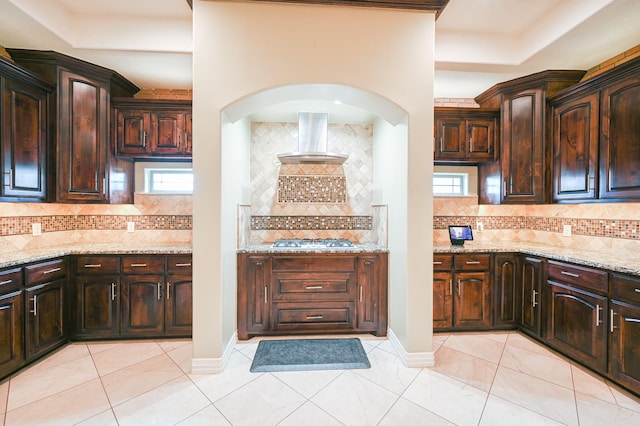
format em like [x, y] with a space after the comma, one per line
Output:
[570, 274]
[436, 262]
[472, 262]
[314, 317]
[10, 281]
[368, 262]
[258, 263]
[93, 265]
[313, 287]
[51, 271]
[186, 264]
[138, 265]
[113, 291]
[637, 290]
[598, 321]
[611, 326]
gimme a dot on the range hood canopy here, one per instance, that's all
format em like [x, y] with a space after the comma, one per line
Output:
[312, 142]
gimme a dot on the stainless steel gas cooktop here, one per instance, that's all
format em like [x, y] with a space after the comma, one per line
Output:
[312, 243]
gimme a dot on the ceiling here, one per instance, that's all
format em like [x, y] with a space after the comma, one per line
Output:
[478, 42]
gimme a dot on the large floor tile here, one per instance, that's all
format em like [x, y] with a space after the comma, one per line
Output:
[235, 375]
[405, 412]
[588, 383]
[168, 404]
[208, 416]
[500, 412]
[551, 369]
[524, 342]
[307, 383]
[387, 371]
[354, 400]
[172, 344]
[309, 414]
[625, 399]
[106, 418]
[262, 402]
[124, 354]
[450, 399]
[63, 408]
[595, 412]
[541, 396]
[182, 356]
[132, 381]
[27, 386]
[4, 395]
[69, 353]
[466, 368]
[478, 345]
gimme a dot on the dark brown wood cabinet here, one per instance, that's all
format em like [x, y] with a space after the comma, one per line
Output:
[506, 287]
[465, 135]
[151, 128]
[25, 136]
[577, 313]
[624, 331]
[525, 157]
[179, 296]
[142, 295]
[80, 107]
[311, 293]
[462, 295]
[531, 284]
[45, 303]
[11, 321]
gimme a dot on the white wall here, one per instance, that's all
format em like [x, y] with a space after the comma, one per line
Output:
[246, 48]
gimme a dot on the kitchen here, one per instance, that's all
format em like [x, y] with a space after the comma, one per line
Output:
[217, 204]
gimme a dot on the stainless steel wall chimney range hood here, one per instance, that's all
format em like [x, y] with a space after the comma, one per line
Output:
[312, 142]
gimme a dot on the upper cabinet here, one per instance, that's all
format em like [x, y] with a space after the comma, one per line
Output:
[24, 134]
[151, 128]
[85, 170]
[465, 135]
[596, 138]
[521, 175]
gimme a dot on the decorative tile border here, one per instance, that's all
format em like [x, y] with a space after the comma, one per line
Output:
[311, 223]
[22, 225]
[612, 228]
[312, 189]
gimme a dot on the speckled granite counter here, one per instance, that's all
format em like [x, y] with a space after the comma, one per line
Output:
[15, 258]
[358, 248]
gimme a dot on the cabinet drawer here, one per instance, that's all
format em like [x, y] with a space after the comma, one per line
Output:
[143, 264]
[311, 316]
[97, 265]
[314, 263]
[472, 262]
[625, 288]
[442, 262]
[10, 279]
[179, 264]
[44, 272]
[313, 286]
[578, 275]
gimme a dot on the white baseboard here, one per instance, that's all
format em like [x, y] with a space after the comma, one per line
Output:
[214, 365]
[411, 359]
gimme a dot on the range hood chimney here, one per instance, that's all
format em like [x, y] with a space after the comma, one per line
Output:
[312, 142]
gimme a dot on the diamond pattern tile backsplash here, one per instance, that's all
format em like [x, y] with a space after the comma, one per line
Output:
[295, 200]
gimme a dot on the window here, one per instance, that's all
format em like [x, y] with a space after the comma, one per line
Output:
[450, 184]
[168, 181]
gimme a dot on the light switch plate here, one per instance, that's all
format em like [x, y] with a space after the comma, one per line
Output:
[131, 226]
[36, 229]
[566, 230]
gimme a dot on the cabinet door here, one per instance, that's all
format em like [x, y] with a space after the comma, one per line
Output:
[178, 305]
[575, 148]
[577, 325]
[24, 141]
[625, 334]
[44, 317]
[531, 291]
[132, 132]
[254, 296]
[82, 139]
[619, 140]
[11, 332]
[367, 306]
[481, 136]
[98, 306]
[506, 286]
[522, 147]
[442, 300]
[165, 133]
[472, 306]
[142, 305]
[450, 139]
[188, 132]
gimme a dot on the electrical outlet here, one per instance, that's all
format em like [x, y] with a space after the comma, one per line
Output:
[131, 226]
[479, 226]
[566, 230]
[36, 229]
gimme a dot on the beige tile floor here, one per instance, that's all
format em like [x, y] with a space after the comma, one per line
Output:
[479, 379]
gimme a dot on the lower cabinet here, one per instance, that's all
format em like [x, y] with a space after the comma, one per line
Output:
[97, 303]
[624, 331]
[531, 285]
[11, 331]
[506, 287]
[311, 293]
[142, 305]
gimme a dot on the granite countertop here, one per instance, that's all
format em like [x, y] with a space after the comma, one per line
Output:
[358, 248]
[16, 258]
